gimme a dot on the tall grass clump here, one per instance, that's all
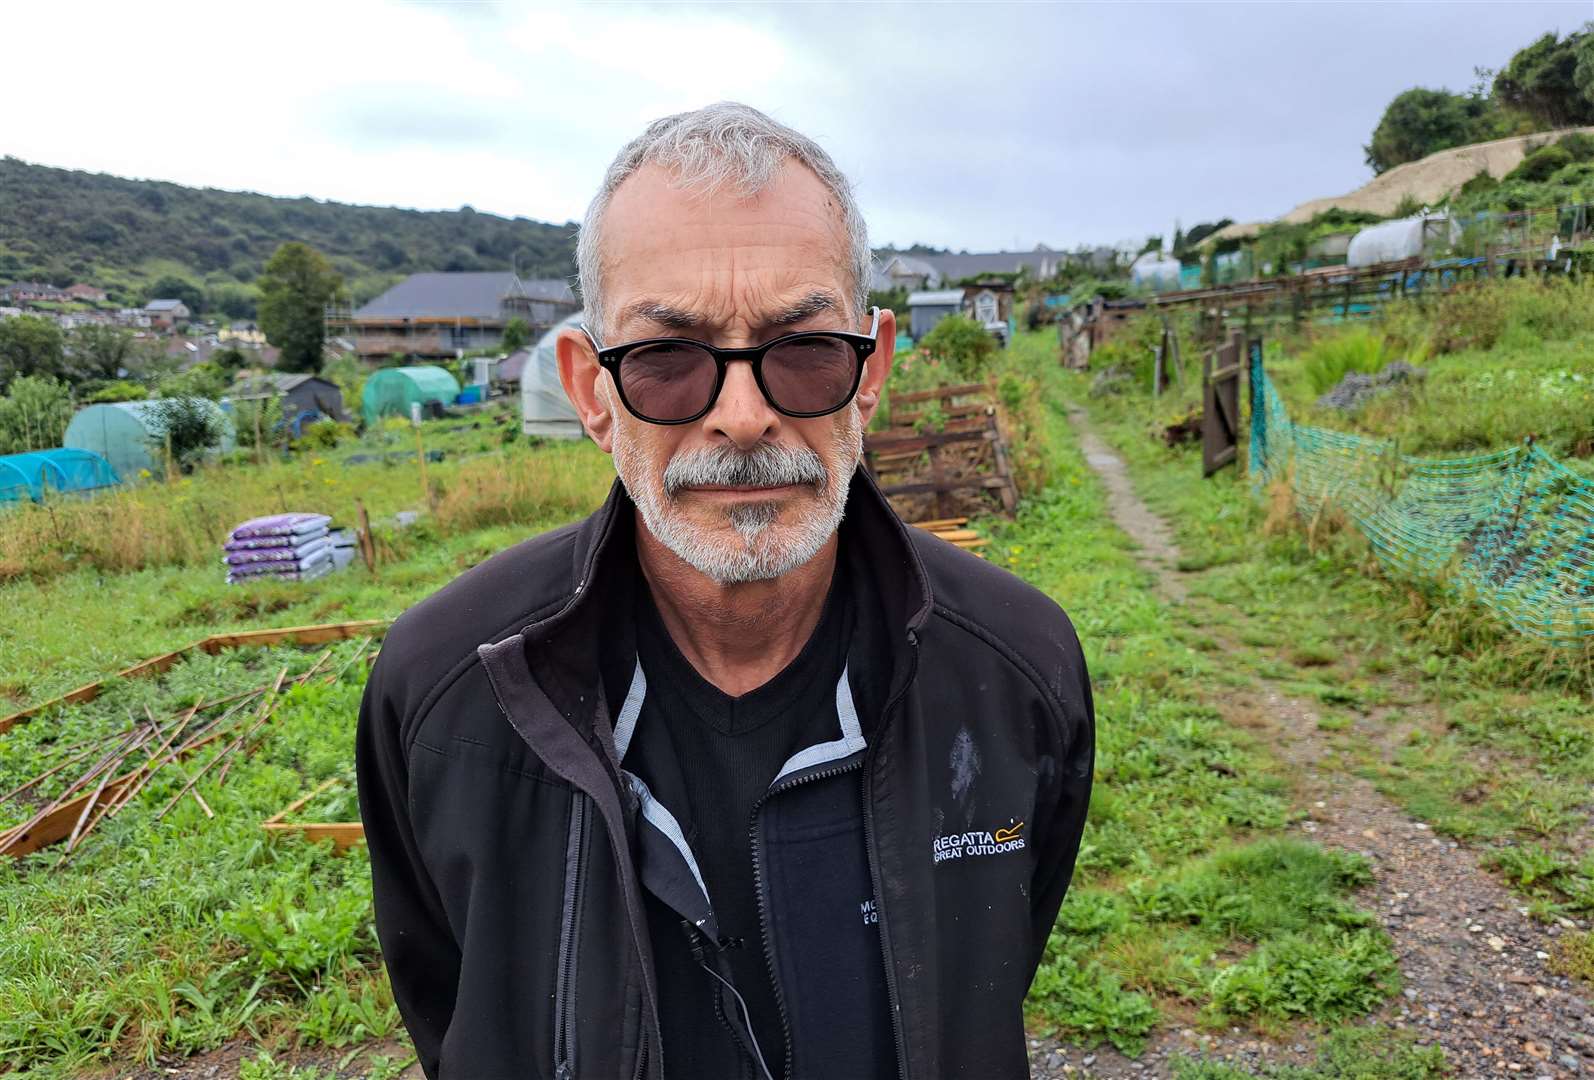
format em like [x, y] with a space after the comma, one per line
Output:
[1330, 359]
[1515, 311]
[182, 522]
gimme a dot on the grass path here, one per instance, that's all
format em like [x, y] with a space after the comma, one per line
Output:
[1476, 967]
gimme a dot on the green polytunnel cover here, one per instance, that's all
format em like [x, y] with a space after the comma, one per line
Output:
[391, 391]
[30, 475]
[124, 433]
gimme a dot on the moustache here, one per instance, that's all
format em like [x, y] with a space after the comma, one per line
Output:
[766, 465]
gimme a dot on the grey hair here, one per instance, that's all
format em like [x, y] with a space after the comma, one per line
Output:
[725, 144]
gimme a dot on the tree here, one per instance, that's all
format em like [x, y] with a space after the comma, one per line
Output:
[101, 352]
[34, 414]
[172, 287]
[189, 427]
[30, 345]
[295, 289]
[1420, 122]
[1542, 81]
[517, 334]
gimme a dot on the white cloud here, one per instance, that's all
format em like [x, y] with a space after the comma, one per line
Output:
[967, 125]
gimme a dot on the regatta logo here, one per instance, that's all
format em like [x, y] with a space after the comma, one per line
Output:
[969, 845]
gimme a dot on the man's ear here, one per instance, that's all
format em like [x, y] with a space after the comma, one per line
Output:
[579, 373]
[878, 366]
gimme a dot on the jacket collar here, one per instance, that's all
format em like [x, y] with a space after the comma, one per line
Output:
[595, 620]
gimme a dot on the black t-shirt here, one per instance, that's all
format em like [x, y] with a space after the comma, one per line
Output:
[710, 758]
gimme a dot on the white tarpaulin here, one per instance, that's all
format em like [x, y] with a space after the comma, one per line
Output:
[1407, 238]
[544, 409]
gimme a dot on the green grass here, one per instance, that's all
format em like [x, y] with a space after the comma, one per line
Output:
[1346, 1054]
[1492, 733]
[174, 937]
[1186, 902]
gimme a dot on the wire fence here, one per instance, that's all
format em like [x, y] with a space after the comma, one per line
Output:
[1513, 529]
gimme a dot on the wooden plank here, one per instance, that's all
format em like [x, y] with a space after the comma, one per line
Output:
[939, 392]
[300, 635]
[293, 635]
[988, 483]
[298, 804]
[343, 834]
[940, 523]
[153, 666]
[904, 444]
[954, 535]
[57, 825]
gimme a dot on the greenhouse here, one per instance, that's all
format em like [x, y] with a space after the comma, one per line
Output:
[391, 391]
[127, 434]
[30, 475]
[544, 408]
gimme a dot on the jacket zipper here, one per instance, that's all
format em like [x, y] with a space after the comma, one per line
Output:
[885, 941]
[564, 1032]
[763, 913]
[893, 998]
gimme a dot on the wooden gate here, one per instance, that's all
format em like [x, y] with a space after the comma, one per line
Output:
[1220, 404]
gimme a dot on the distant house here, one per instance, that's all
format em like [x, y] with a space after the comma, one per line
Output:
[439, 315]
[1041, 263]
[23, 292]
[906, 272]
[86, 293]
[166, 313]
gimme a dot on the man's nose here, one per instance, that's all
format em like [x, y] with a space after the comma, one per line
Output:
[742, 414]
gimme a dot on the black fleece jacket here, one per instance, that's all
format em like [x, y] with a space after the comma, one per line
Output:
[510, 848]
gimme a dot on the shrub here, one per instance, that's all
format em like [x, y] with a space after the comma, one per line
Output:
[1541, 164]
[117, 390]
[324, 434]
[961, 347]
[185, 428]
[34, 414]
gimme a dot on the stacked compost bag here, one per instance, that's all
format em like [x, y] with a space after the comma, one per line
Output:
[282, 547]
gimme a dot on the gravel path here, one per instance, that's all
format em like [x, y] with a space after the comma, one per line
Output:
[1474, 964]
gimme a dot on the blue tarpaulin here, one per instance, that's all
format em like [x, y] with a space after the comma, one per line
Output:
[30, 475]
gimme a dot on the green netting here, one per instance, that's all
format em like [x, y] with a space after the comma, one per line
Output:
[1513, 529]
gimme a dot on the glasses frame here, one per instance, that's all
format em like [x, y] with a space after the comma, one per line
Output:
[863, 346]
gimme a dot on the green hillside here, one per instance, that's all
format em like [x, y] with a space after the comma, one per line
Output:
[64, 226]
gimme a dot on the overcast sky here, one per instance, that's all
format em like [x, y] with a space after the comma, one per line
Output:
[974, 126]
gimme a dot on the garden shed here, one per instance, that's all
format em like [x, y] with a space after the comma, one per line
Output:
[127, 434]
[391, 391]
[30, 475]
[925, 309]
[303, 396]
[544, 408]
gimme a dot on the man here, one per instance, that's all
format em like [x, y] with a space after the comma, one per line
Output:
[716, 783]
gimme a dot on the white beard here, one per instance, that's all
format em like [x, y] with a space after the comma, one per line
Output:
[759, 547]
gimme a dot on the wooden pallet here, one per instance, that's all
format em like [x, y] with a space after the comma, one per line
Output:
[962, 469]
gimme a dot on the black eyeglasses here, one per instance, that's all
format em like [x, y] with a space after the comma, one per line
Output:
[677, 380]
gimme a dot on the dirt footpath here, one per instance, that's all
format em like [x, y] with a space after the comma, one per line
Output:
[1474, 964]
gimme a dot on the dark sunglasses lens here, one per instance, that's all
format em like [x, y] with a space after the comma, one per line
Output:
[811, 375]
[668, 382]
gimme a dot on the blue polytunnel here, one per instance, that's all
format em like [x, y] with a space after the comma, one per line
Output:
[30, 475]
